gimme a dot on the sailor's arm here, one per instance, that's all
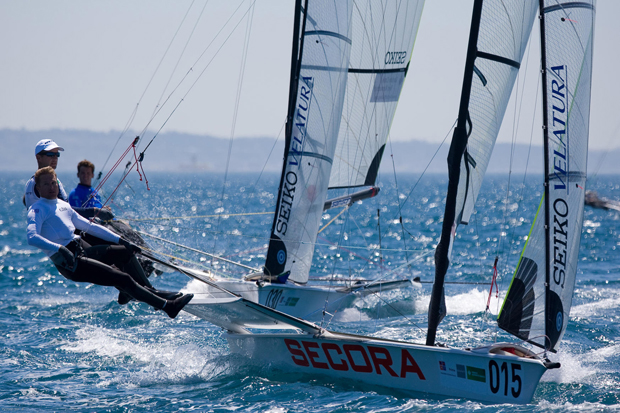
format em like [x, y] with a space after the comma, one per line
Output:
[93, 229]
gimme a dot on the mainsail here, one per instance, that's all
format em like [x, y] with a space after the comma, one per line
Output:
[499, 34]
[321, 53]
[538, 301]
[383, 35]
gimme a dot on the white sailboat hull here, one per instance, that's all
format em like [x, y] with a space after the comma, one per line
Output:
[472, 374]
[302, 301]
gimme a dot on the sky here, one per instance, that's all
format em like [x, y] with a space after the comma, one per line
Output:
[106, 65]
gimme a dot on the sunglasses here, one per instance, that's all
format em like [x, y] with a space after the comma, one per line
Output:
[50, 154]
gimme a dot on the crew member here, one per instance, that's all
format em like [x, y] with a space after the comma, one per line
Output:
[83, 195]
[47, 153]
[51, 227]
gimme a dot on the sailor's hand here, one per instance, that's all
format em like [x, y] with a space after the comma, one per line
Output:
[131, 247]
[64, 258]
[104, 214]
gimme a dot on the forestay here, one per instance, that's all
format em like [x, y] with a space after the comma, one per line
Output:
[538, 302]
[494, 58]
[383, 35]
[316, 99]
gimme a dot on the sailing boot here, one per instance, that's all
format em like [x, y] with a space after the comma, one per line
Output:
[173, 307]
[124, 298]
[167, 295]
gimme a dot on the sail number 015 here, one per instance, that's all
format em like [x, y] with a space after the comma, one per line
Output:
[498, 375]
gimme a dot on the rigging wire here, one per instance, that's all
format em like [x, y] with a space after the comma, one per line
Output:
[428, 164]
[400, 211]
[137, 142]
[235, 113]
[181, 55]
[135, 110]
[199, 76]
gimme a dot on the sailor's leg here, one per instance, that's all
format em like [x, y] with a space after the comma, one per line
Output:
[96, 272]
[122, 258]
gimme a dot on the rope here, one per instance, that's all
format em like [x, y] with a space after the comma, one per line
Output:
[197, 216]
[333, 219]
[199, 252]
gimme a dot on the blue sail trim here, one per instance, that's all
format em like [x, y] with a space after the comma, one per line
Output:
[499, 59]
[371, 71]
[311, 155]
[328, 33]
[569, 5]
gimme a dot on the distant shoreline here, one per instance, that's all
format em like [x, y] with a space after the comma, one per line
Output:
[179, 152]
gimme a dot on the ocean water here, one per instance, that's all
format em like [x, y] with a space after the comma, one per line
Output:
[70, 347]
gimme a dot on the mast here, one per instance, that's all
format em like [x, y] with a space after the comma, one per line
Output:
[543, 60]
[457, 149]
[296, 55]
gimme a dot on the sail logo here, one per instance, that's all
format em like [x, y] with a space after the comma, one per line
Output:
[353, 357]
[286, 203]
[300, 122]
[558, 126]
[395, 58]
[560, 240]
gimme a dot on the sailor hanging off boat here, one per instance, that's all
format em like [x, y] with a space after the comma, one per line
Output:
[51, 227]
[83, 199]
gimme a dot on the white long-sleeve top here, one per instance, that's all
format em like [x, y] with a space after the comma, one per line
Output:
[52, 222]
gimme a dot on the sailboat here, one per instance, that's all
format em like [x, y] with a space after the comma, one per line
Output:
[537, 304]
[349, 63]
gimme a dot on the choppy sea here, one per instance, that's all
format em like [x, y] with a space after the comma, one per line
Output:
[70, 347]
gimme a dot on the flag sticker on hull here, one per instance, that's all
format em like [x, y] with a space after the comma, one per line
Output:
[476, 374]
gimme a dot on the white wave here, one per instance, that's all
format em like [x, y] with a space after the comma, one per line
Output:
[595, 308]
[470, 302]
[546, 405]
[579, 367]
[573, 370]
[168, 359]
[350, 315]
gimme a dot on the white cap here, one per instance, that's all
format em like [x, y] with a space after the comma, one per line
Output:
[46, 145]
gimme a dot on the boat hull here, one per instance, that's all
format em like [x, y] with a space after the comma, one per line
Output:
[472, 374]
[301, 301]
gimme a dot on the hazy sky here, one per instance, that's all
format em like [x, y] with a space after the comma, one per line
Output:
[87, 64]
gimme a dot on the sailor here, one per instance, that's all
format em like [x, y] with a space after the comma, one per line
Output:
[51, 227]
[83, 195]
[47, 153]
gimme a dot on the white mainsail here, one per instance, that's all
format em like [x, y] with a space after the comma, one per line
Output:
[538, 302]
[312, 131]
[494, 61]
[383, 35]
